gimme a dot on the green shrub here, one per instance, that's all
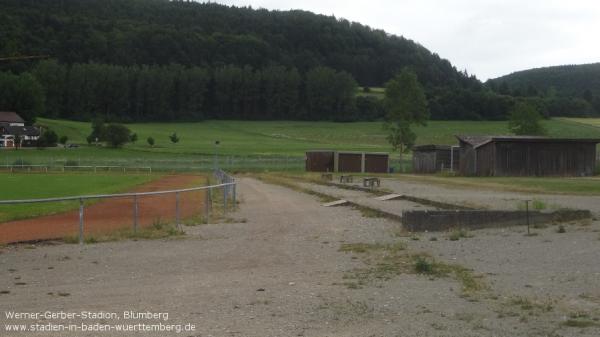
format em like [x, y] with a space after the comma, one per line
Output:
[423, 266]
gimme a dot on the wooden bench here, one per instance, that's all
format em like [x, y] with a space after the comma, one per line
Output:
[371, 181]
[327, 176]
[345, 179]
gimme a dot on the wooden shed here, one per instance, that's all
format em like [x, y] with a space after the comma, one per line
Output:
[319, 161]
[377, 162]
[435, 158]
[347, 161]
[526, 156]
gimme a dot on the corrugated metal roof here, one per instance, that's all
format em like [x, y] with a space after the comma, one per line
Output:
[477, 141]
[431, 147]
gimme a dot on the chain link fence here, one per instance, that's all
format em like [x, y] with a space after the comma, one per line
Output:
[82, 216]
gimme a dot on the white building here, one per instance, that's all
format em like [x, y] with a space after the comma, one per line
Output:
[12, 127]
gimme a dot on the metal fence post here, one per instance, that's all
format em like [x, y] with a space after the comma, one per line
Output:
[80, 221]
[234, 195]
[177, 208]
[207, 205]
[224, 199]
[135, 214]
[527, 215]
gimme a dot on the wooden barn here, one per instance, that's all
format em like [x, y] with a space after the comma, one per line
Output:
[526, 156]
[346, 161]
[435, 158]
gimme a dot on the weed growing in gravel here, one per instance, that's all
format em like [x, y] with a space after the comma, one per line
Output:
[368, 212]
[388, 260]
[457, 234]
[367, 247]
[538, 205]
[158, 230]
[581, 320]
[423, 266]
[530, 305]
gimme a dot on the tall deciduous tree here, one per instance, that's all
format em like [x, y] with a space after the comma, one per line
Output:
[525, 119]
[405, 104]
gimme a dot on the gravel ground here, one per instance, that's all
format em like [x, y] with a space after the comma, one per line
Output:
[277, 271]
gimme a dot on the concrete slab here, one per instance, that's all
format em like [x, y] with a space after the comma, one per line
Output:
[389, 197]
[341, 202]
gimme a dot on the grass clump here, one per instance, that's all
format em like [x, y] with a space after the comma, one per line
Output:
[423, 266]
[538, 205]
[369, 247]
[457, 234]
[388, 260]
[158, 230]
[579, 323]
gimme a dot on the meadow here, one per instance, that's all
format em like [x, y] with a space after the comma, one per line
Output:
[293, 138]
[254, 145]
[585, 121]
[30, 186]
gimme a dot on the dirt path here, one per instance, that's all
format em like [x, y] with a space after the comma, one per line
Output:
[277, 270]
[109, 214]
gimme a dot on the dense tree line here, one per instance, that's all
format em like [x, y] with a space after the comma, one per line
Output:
[175, 92]
[162, 32]
[22, 93]
[151, 60]
[571, 90]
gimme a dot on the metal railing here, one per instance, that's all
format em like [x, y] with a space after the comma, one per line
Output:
[229, 188]
[226, 182]
[189, 163]
[65, 168]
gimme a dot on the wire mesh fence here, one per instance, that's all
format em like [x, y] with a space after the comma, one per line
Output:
[189, 163]
[81, 218]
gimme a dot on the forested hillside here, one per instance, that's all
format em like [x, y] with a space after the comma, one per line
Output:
[566, 90]
[139, 60]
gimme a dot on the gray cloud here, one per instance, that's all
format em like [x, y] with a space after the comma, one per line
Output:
[488, 38]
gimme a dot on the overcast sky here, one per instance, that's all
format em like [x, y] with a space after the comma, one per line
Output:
[488, 38]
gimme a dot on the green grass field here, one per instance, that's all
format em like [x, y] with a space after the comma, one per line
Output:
[258, 145]
[294, 138]
[376, 92]
[560, 185]
[586, 121]
[30, 186]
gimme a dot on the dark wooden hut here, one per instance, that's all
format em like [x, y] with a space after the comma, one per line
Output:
[320, 161]
[347, 162]
[434, 158]
[526, 156]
